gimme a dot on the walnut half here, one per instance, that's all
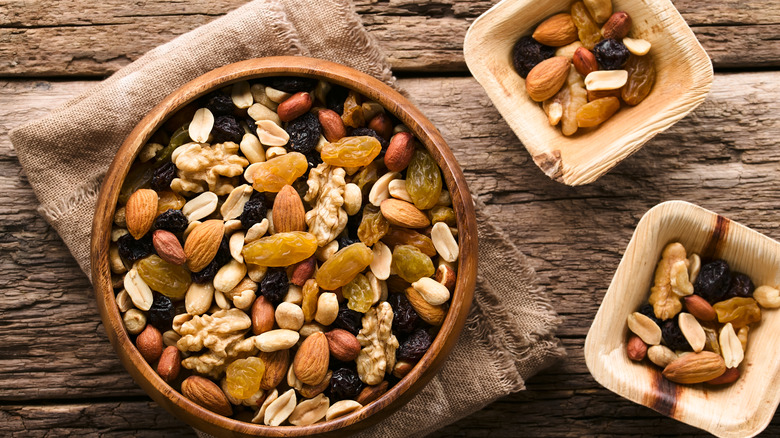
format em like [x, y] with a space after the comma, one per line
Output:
[379, 344]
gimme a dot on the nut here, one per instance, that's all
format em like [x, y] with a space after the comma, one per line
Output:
[327, 219]
[661, 355]
[241, 95]
[234, 204]
[203, 243]
[381, 124]
[260, 112]
[294, 295]
[402, 368]
[638, 47]
[444, 242]
[311, 328]
[432, 291]
[600, 10]
[252, 148]
[343, 345]
[383, 259]
[243, 294]
[135, 321]
[297, 105]
[289, 316]
[312, 359]
[327, 308]
[201, 125]
[221, 300]
[139, 291]
[692, 331]
[377, 357]
[381, 188]
[310, 391]
[276, 365]
[378, 288]
[115, 261]
[547, 78]
[767, 296]
[275, 95]
[123, 301]
[332, 126]
[694, 266]
[645, 328]
[170, 338]
[600, 94]
[262, 315]
[730, 346]
[303, 271]
[275, 340]
[731, 375]
[445, 275]
[236, 245]
[606, 80]
[584, 61]
[403, 214]
[289, 214]
[271, 134]
[309, 411]
[397, 189]
[150, 345]
[700, 308]
[140, 212]
[168, 247]
[170, 364]
[617, 27]
[695, 367]
[353, 199]
[636, 348]
[433, 315]
[399, 151]
[270, 398]
[556, 31]
[207, 394]
[229, 276]
[742, 335]
[200, 206]
[198, 298]
[371, 393]
[341, 408]
[665, 301]
[323, 253]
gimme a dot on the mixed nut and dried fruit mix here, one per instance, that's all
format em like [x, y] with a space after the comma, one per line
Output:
[284, 251]
[582, 64]
[695, 325]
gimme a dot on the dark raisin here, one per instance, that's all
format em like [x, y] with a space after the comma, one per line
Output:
[344, 385]
[371, 133]
[314, 159]
[171, 220]
[133, 250]
[220, 104]
[274, 285]
[415, 346]
[290, 84]
[304, 133]
[713, 281]
[647, 310]
[251, 124]
[740, 286]
[405, 318]
[673, 336]
[335, 99]
[611, 54]
[348, 319]
[254, 210]
[527, 53]
[226, 128]
[345, 239]
[206, 274]
[161, 313]
[162, 177]
[223, 253]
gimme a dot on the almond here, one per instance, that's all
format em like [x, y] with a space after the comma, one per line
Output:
[547, 78]
[311, 360]
[382, 125]
[140, 212]
[584, 61]
[203, 243]
[730, 376]
[168, 247]
[399, 152]
[636, 347]
[343, 345]
[556, 31]
[617, 27]
[170, 364]
[262, 315]
[276, 365]
[207, 394]
[403, 214]
[303, 271]
[310, 391]
[297, 105]
[332, 126]
[289, 214]
[150, 344]
[433, 315]
[700, 308]
[371, 393]
[695, 368]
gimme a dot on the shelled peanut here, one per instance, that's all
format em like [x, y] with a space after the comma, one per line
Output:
[285, 248]
[582, 64]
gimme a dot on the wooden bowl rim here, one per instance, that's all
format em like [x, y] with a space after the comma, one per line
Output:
[392, 101]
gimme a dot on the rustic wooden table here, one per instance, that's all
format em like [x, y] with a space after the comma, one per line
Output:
[58, 373]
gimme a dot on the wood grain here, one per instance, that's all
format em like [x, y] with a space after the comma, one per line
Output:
[71, 38]
[723, 157]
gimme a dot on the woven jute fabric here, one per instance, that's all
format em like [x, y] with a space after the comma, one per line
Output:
[509, 334]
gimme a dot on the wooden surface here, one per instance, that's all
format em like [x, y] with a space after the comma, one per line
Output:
[58, 373]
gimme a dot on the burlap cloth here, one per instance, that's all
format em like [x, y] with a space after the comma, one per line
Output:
[509, 335]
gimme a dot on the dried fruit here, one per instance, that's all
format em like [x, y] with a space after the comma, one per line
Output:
[547, 78]
[423, 180]
[290, 84]
[368, 132]
[415, 346]
[171, 220]
[342, 267]
[226, 128]
[344, 385]
[347, 319]
[358, 293]
[281, 249]
[597, 112]
[243, 377]
[304, 133]
[600, 10]
[738, 311]
[351, 151]
[528, 52]
[161, 313]
[274, 285]
[373, 226]
[352, 111]
[673, 336]
[278, 172]
[556, 31]
[162, 177]
[573, 98]
[740, 286]
[641, 77]
[164, 277]
[713, 281]
[133, 250]
[335, 99]
[611, 54]
[254, 211]
[220, 104]
[206, 274]
[587, 30]
[411, 264]
[405, 318]
[695, 368]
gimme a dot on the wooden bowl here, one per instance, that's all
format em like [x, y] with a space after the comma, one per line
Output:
[684, 76]
[741, 409]
[427, 367]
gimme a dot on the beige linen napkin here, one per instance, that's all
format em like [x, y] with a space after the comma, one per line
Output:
[509, 335]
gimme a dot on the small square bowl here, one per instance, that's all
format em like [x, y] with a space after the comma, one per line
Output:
[743, 408]
[683, 78]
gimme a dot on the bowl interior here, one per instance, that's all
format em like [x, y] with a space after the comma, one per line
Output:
[683, 78]
[373, 89]
[741, 409]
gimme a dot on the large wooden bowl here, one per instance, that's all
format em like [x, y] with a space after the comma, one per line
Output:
[394, 102]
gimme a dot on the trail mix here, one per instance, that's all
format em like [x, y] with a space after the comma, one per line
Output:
[581, 65]
[284, 251]
[696, 323]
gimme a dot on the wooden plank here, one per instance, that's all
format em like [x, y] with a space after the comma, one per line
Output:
[50, 332]
[69, 38]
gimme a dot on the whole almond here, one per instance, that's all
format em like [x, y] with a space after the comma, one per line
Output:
[382, 125]
[311, 360]
[695, 368]
[168, 247]
[730, 376]
[295, 106]
[343, 345]
[332, 126]
[547, 78]
[636, 348]
[303, 271]
[276, 365]
[584, 61]
[207, 394]
[403, 214]
[140, 212]
[433, 315]
[556, 31]
[617, 27]
[203, 243]
[700, 308]
[262, 315]
[399, 152]
[309, 391]
[289, 214]
[150, 343]
[371, 393]
[170, 364]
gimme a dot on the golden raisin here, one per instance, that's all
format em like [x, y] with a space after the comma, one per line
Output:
[373, 226]
[423, 180]
[342, 267]
[280, 171]
[641, 77]
[243, 377]
[351, 151]
[738, 311]
[281, 249]
[353, 111]
[411, 264]
[168, 200]
[368, 176]
[358, 292]
[442, 214]
[587, 29]
[405, 236]
[168, 279]
[597, 112]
